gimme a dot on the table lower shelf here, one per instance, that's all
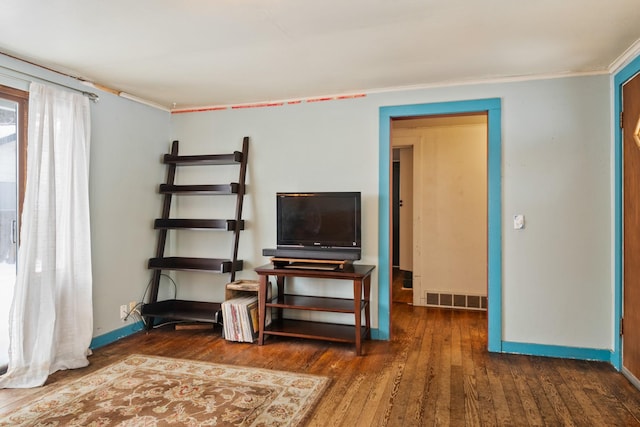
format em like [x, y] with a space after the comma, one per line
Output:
[315, 330]
[313, 303]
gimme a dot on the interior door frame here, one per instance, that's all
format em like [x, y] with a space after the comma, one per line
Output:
[620, 78]
[21, 98]
[493, 108]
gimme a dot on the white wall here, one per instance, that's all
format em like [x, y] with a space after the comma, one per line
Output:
[557, 286]
[127, 140]
[315, 147]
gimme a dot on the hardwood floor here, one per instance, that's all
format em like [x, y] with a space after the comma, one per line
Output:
[434, 371]
[398, 293]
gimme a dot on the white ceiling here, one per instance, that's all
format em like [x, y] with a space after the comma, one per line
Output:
[199, 53]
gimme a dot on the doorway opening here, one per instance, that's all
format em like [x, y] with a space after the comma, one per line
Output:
[492, 108]
[440, 210]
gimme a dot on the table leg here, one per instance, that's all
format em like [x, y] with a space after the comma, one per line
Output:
[367, 307]
[357, 298]
[280, 284]
[262, 300]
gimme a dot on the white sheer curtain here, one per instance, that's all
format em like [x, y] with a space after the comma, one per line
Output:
[51, 320]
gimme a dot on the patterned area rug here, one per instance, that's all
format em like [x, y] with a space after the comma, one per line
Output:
[154, 391]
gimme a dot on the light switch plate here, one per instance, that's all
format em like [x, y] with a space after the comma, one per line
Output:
[518, 222]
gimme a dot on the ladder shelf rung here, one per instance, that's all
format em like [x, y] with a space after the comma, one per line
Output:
[210, 189]
[197, 224]
[204, 160]
[196, 311]
[216, 265]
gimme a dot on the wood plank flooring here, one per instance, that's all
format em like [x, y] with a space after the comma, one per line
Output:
[434, 371]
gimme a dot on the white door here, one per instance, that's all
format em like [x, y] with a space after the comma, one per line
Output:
[405, 147]
[631, 284]
[406, 208]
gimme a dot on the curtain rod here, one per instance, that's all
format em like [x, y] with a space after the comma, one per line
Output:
[92, 96]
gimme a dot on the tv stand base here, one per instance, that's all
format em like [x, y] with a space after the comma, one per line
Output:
[358, 306]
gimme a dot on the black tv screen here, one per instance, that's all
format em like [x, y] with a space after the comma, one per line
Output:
[319, 220]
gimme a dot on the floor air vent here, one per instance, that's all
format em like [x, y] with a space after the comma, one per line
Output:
[468, 302]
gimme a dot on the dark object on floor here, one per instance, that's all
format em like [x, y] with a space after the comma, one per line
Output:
[407, 279]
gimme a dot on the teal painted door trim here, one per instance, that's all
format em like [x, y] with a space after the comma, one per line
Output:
[493, 107]
[601, 355]
[619, 79]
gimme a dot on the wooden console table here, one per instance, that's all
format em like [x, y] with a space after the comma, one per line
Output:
[359, 274]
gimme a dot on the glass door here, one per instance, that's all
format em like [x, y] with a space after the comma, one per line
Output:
[9, 117]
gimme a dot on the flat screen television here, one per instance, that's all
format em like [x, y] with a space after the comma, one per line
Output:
[329, 221]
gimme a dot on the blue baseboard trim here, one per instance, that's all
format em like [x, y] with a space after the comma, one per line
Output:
[602, 355]
[113, 336]
[377, 334]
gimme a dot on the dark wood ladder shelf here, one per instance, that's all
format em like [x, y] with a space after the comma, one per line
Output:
[200, 311]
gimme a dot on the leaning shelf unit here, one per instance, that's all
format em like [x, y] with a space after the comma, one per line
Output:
[195, 311]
